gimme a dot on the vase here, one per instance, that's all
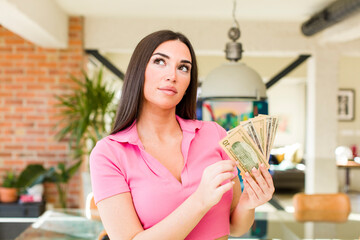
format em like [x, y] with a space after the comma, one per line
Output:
[8, 195]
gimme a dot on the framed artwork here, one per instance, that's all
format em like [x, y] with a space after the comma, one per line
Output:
[229, 113]
[346, 104]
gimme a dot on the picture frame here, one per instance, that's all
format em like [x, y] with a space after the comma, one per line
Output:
[346, 104]
[228, 113]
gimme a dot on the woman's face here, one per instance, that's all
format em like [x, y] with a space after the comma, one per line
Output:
[167, 75]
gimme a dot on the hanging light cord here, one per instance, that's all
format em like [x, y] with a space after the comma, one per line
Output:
[234, 31]
[236, 24]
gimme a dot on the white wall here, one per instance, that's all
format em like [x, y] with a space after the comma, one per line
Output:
[287, 100]
[349, 132]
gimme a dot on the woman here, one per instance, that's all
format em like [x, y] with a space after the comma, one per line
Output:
[161, 174]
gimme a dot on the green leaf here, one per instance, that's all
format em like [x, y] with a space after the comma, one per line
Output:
[10, 180]
[33, 174]
[73, 169]
[52, 176]
[83, 112]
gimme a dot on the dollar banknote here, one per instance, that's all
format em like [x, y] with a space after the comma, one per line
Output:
[259, 124]
[274, 130]
[250, 143]
[250, 129]
[271, 128]
[240, 147]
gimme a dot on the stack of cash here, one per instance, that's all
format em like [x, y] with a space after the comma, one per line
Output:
[250, 143]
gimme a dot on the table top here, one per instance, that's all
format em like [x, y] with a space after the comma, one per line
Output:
[73, 224]
[349, 164]
[282, 225]
[63, 224]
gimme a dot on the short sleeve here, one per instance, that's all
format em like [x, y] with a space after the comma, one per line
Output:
[107, 177]
[222, 133]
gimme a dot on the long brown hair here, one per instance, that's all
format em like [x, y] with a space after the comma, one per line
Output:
[133, 89]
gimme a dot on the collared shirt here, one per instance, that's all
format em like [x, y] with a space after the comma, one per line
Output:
[119, 164]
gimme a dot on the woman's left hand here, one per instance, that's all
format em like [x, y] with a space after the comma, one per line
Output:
[257, 191]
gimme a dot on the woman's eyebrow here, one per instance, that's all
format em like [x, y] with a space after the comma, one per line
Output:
[167, 57]
[186, 61]
[161, 54]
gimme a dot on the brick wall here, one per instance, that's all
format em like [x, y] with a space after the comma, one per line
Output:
[30, 76]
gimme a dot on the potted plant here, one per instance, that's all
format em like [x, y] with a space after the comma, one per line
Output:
[36, 174]
[9, 191]
[87, 114]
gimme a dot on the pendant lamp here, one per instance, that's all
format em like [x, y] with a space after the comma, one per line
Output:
[233, 79]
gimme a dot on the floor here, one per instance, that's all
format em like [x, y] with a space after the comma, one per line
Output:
[285, 201]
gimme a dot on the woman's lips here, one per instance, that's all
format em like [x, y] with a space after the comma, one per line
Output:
[168, 90]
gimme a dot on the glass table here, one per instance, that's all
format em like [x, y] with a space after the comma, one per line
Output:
[73, 224]
[282, 225]
[63, 224]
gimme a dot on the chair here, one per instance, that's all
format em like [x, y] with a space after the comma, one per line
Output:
[91, 208]
[92, 212]
[321, 207]
[103, 236]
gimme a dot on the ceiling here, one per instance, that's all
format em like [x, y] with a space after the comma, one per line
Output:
[118, 24]
[261, 10]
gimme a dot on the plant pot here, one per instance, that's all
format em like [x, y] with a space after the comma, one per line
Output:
[8, 195]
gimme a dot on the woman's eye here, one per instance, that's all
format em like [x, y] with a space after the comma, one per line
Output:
[159, 61]
[184, 68]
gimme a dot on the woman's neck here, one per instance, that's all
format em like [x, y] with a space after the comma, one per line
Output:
[159, 124]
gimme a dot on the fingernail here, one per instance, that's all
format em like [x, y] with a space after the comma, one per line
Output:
[247, 174]
[254, 170]
[233, 182]
[262, 165]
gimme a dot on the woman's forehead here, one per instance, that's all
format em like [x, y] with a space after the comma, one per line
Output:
[174, 48]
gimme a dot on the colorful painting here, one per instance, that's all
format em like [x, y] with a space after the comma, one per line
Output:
[229, 114]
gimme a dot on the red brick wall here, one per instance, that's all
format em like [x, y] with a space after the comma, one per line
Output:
[30, 76]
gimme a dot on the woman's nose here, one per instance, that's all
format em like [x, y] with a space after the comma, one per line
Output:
[171, 74]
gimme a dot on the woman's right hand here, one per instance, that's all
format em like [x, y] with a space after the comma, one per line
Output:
[212, 187]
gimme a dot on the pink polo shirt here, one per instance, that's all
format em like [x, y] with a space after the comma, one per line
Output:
[119, 164]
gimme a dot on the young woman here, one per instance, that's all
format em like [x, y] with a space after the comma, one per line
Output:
[161, 174]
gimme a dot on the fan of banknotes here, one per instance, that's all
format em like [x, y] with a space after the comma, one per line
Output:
[250, 143]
